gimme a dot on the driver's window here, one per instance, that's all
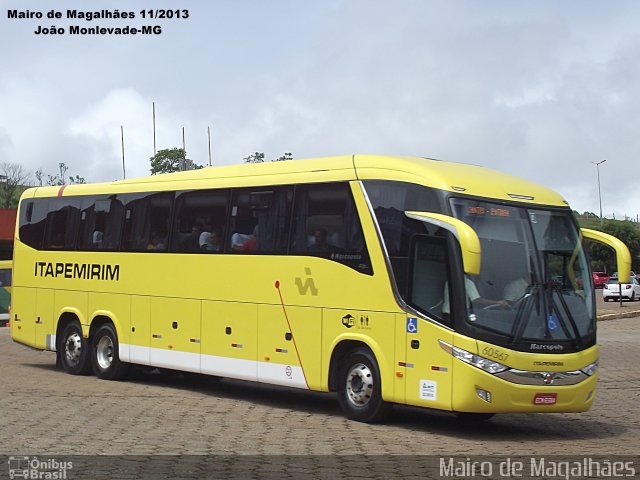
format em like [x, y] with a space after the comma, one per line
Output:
[429, 277]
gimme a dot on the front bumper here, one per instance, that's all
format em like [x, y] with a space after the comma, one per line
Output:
[506, 396]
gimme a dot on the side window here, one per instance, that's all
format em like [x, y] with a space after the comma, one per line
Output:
[5, 277]
[389, 201]
[260, 220]
[326, 224]
[33, 216]
[200, 221]
[101, 223]
[429, 285]
[63, 220]
[147, 218]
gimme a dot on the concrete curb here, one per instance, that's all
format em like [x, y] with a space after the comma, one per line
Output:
[613, 316]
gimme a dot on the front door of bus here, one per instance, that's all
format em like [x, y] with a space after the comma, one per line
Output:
[428, 371]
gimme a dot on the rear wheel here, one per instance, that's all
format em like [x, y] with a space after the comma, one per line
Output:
[74, 350]
[359, 388]
[105, 358]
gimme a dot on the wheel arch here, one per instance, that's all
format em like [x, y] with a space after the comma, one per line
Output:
[65, 318]
[102, 317]
[343, 347]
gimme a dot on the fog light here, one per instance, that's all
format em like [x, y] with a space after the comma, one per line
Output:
[483, 394]
[589, 395]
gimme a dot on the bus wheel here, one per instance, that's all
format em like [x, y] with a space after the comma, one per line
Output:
[359, 388]
[74, 350]
[105, 359]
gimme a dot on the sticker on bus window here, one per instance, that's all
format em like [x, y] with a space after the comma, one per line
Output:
[428, 390]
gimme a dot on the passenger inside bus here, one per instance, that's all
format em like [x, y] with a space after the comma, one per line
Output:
[205, 236]
[156, 242]
[320, 243]
[211, 241]
[241, 242]
[191, 243]
[473, 298]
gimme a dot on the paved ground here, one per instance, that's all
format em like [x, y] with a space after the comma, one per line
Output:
[46, 412]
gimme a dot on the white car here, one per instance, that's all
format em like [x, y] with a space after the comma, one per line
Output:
[630, 291]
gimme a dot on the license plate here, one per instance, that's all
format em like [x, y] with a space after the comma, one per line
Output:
[545, 398]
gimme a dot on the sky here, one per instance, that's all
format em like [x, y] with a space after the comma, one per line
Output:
[537, 88]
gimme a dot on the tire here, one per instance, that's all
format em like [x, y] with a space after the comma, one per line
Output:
[606, 299]
[105, 358]
[74, 350]
[359, 388]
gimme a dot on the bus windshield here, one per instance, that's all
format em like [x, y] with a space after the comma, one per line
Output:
[534, 283]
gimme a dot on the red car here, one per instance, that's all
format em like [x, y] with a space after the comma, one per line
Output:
[599, 279]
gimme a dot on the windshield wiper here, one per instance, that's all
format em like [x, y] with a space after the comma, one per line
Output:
[576, 340]
[523, 314]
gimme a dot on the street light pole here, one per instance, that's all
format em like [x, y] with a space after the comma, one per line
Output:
[597, 164]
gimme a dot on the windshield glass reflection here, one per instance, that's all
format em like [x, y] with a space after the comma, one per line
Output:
[532, 281]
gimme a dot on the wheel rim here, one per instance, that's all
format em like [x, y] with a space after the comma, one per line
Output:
[359, 385]
[73, 348]
[104, 352]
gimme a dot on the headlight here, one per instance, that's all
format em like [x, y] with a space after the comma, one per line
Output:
[590, 369]
[485, 364]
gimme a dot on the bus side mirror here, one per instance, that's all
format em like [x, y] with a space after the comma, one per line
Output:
[465, 235]
[623, 257]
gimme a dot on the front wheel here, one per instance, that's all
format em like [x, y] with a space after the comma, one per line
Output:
[359, 388]
[73, 353]
[105, 359]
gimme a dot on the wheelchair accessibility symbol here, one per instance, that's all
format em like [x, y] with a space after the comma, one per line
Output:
[412, 325]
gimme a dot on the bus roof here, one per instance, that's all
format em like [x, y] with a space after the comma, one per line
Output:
[449, 176]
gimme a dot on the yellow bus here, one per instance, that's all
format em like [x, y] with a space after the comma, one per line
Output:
[389, 280]
[5, 290]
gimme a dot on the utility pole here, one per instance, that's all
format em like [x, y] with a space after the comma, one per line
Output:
[597, 164]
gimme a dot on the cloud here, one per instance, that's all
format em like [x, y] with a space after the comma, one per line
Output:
[538, 89]
[98, 128]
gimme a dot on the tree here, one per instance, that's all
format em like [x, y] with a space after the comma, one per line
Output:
[58, 179]
[172, 160]
[258, 157]
[12, 180]
[286, 156]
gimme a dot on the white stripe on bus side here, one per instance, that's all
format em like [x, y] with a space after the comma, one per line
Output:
[266, 372]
